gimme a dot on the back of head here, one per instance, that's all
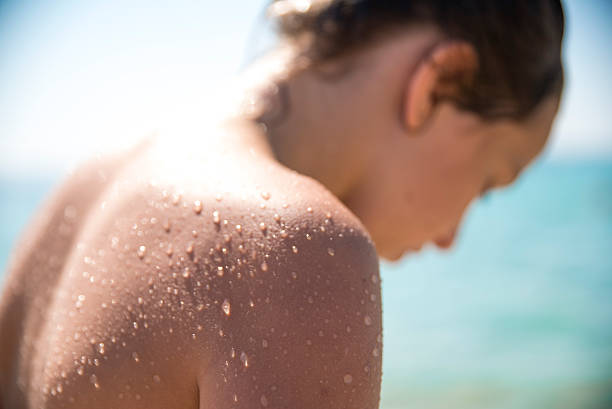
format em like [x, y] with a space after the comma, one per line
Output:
[518, 41]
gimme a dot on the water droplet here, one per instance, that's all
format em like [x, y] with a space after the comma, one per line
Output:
[80, 370]
[94, 380]
[276, 217]
[348, 379]
[284, 234]
[197, 207]
[264, 401]
[245, 359]
[200, 307]
[233, 353]
[189, 249]
[328, 215]
[101, 348]
[239, 228]
[218, 197]
[308, 236]
[265, 195]
[264, 266]
[294, 275]
[374, 278]
[220, 271]
[226, 307]
[331, 252]
[367, 320]
[216, 217]
[80, 300]
[262, 226]
[294, 249]
[135, 357]
[375, 352]
[140, 300]
[309, 209]
[142, 250]
[366, 369]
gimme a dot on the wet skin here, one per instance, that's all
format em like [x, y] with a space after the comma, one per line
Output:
[142, 284]
[205, 273]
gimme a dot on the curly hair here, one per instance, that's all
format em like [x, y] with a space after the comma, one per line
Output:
[518, 41]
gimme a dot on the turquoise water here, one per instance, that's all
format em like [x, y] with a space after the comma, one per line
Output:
[517, 316]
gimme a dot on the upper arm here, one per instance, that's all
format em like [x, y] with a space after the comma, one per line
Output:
[304, 333]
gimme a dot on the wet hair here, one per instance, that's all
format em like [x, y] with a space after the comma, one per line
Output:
[518, 41]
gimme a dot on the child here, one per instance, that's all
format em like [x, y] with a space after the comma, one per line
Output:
[241, 270]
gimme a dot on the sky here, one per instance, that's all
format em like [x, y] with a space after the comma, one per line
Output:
[82, 76]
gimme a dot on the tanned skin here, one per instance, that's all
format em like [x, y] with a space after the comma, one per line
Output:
[145, 285]
[224, 271]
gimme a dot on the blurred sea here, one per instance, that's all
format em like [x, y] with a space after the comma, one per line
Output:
[517, 316]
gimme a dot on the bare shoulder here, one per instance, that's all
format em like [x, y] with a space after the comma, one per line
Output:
[307, 319]
[239, 292]
[284, 297]
[295, 295]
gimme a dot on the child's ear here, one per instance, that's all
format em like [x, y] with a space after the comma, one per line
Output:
[442, 73]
